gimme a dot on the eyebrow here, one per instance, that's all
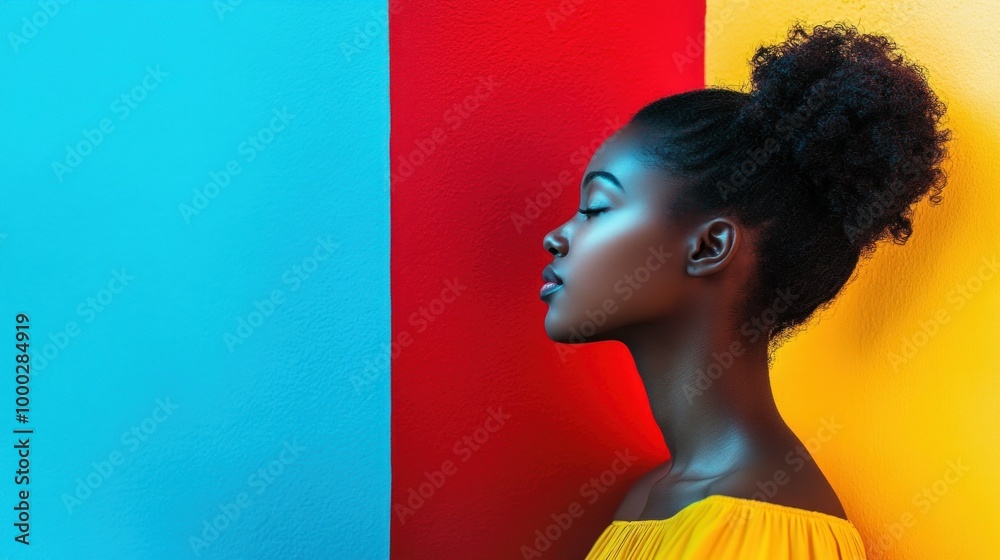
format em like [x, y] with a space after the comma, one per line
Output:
[603, 174]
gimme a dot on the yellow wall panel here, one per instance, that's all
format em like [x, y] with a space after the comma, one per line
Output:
[907, 360]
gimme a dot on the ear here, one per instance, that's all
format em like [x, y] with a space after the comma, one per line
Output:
[712, 246]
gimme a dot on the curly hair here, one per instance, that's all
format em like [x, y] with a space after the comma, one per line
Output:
[837, 138]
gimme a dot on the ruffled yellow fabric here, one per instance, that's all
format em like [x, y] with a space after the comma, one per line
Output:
[729, 528]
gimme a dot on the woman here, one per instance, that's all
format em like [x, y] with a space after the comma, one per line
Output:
[712, 225]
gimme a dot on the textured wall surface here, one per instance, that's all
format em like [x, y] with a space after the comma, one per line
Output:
[496, 109]
[906, 361]
[206, 272]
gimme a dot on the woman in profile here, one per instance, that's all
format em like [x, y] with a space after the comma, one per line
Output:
[711, 226]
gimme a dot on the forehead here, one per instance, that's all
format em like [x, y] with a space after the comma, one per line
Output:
[622, 143]
[621, 155]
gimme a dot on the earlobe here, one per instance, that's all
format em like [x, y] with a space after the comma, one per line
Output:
[711, 247]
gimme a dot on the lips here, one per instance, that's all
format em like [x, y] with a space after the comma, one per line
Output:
[549, 275]
[552, 282]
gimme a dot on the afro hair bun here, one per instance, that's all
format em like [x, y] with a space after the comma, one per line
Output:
[858, 122]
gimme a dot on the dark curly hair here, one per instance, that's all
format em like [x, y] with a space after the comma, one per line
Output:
[837, 138]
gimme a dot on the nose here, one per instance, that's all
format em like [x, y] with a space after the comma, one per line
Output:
[555, 242]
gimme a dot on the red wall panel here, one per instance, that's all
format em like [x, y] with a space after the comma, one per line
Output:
[505, 444]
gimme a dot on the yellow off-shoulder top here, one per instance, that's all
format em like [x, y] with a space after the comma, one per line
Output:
[729, 528]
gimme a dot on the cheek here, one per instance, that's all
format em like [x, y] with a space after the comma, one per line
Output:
[620, 257]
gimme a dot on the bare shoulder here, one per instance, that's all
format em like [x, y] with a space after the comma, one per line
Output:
[635, 499]
[806, 488]
[797, 484]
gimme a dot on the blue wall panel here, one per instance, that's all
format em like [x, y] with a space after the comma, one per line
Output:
[195, 217]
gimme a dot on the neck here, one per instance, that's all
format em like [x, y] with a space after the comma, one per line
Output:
[710, 394]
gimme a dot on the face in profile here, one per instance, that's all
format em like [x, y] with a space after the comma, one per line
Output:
[620, 260]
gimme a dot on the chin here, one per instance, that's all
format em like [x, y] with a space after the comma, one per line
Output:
[554, 332]
[558, 331]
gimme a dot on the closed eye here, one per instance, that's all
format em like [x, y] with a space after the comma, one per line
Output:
[588, 212]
